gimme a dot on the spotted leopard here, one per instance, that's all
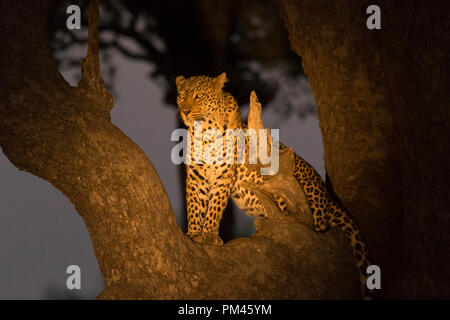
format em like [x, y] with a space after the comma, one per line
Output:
[209, 186]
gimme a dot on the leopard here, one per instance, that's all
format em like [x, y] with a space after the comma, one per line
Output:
[210, 185]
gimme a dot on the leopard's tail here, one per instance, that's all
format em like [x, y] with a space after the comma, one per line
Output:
[328, 211]
[343, 219]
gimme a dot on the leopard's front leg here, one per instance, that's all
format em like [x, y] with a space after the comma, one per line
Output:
[219, 194]
[244, 197]
[197, 201]
[248, 201]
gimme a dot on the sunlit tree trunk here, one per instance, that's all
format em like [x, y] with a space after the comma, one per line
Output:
[383, 107]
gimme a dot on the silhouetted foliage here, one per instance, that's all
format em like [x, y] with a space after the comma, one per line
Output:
[245, 38]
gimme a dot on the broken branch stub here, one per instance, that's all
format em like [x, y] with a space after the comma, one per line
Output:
[91, 83]
[283, 183]
[254, 119]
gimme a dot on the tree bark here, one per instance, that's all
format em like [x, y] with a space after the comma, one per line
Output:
[64, 135]
[382, 99]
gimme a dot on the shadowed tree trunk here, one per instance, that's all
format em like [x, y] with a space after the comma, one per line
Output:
[383, 107]
[64, 135]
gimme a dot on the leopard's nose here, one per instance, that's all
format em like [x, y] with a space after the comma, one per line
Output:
[185, 109]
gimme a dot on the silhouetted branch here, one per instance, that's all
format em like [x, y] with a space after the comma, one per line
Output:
[91, 82]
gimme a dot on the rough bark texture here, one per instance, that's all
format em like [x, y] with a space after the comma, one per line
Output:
[64, 135]
[383, 106]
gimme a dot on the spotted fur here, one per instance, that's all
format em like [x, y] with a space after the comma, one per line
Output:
[209, 186]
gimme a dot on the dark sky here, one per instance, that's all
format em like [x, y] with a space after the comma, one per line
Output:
[41, 234]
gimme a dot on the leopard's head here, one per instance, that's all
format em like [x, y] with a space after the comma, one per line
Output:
[201, 98]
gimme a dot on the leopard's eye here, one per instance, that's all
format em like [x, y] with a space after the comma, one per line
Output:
[180, 95]
[199, 95]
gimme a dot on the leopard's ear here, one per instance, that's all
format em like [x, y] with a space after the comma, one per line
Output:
[179, 81]
[220, 80]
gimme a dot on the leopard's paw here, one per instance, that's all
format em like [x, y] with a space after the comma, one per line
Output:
[208, 238]
[213, 240]
[196, 236]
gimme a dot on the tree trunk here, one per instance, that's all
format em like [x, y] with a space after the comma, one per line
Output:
[65, 136]
[382, 99]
